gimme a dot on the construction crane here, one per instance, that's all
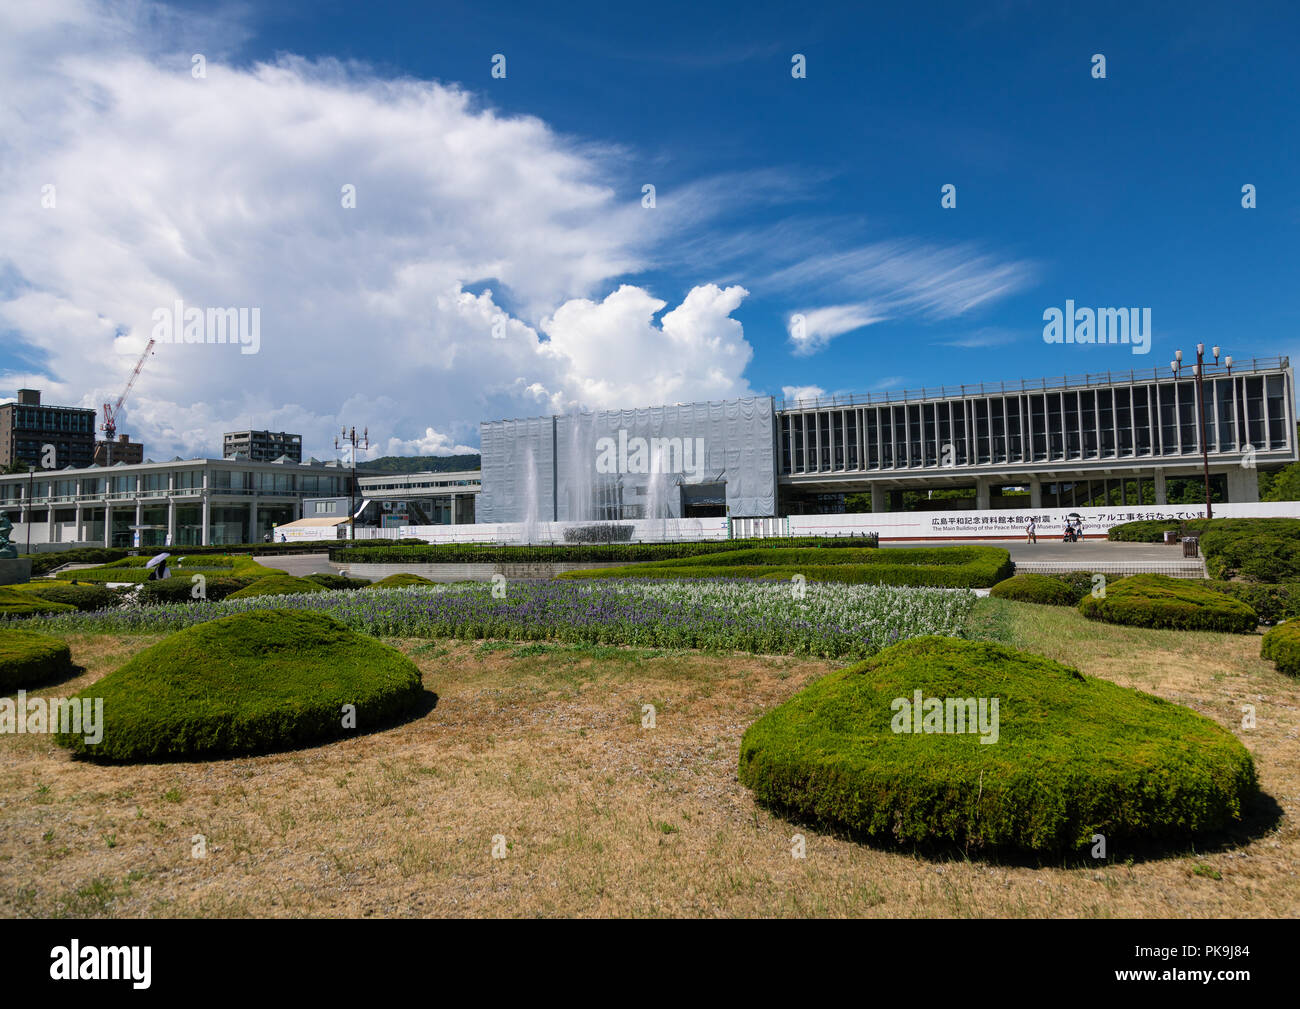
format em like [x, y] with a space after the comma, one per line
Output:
[110, 412]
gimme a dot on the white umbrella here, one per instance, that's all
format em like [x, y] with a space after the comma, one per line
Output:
[155, 561]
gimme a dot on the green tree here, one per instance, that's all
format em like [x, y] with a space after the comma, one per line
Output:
[1281, 486]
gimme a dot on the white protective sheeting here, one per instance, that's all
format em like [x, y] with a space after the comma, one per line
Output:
[622, 465]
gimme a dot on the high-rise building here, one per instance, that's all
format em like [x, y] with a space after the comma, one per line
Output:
[27, 428]
[261, 446]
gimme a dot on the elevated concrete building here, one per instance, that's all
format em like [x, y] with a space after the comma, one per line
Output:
[184, 501]
[1115, 437]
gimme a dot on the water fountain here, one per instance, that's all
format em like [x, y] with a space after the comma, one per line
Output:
[528, 533]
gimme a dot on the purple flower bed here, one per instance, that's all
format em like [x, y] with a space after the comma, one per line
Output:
[726, 614]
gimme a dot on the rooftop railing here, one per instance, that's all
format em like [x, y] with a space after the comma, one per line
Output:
[1101, 378]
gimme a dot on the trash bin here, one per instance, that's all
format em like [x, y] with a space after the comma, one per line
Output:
[1190, 545]
[1171, 537]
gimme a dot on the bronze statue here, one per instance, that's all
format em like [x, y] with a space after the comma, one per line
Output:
[7, 550]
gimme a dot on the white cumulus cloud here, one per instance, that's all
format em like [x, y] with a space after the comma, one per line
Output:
[471, 281]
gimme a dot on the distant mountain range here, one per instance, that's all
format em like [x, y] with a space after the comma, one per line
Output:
[421, 463]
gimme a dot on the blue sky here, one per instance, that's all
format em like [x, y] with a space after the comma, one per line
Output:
[817, 195]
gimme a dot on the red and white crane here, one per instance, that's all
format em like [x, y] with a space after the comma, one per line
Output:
[111, 411]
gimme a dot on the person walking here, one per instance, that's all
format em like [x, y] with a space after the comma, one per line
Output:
[1031, 532]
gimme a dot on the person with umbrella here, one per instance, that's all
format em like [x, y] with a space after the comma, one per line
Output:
[158, 570]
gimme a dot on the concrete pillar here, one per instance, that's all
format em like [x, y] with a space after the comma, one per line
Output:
[49, 523]
[877, 498]
[1161, 492]
[455, 507]
[253, 535]
[79, 535]
[1035, 493]
[138, 533]
[171, 521]
[207, 515]
[108, 523]
[982, 493]
[1243, 485]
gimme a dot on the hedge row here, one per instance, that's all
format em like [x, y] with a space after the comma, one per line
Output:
[19, 603]
[1282, 645]
[1260, 550]
[482, 553]
[1174, 603]
[87, 598]
[945, 567]
[45, 562]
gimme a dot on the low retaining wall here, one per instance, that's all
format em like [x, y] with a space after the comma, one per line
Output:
[1174, 569]
[15, 571]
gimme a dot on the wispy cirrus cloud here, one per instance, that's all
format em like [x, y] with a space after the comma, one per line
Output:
[812, 329]
[904, 277]
[985, 336]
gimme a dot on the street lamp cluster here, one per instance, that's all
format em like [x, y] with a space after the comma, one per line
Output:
[1198, 371]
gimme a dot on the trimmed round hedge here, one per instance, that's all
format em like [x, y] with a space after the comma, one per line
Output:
[277, 585]
[400, 580]
[337, 582]
[25, 603]
[28, 658]
[1073, 756]
[249, 683]
[1282, 645]
[1048, 590]
[180, 587]
[1175, 603]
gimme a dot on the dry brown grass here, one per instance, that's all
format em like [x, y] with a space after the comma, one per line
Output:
[544, 745]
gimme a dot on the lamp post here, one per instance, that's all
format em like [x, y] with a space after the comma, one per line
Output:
[31, 477]
[346, 438]
[1198, 370]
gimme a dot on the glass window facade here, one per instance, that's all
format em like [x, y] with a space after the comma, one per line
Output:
[1133, 420]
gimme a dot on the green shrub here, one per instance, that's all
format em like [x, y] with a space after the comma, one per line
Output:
[204, 562]
[27, 658]
[950, 567]
[336, 582]
[277, 585]
[1262, 550]
[87, 598]
[16, 603]
[1273, 603]
[486, 553]
[1176, 603]
[1282, 645]
[1268, 552]
[1146, 531]
[180, 588]
[101, 576]
[1045, 589]
[1074, 755]
[266, 680]
[399, 580]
